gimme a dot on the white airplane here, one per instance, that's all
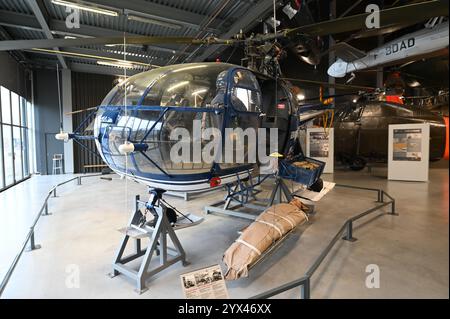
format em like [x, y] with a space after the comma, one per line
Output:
[433, 40]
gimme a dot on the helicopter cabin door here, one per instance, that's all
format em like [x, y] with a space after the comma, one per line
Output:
[276, 111]
[244, 107]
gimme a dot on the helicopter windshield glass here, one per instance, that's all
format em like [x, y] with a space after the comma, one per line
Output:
[183, 85]
[246, 94]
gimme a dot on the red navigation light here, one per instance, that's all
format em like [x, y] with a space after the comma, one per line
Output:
[215, 181]
[394, 99]
[446, 153]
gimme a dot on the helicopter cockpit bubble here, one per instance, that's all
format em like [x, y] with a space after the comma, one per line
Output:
[146, 109]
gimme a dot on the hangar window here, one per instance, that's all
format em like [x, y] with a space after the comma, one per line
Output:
[16, 138]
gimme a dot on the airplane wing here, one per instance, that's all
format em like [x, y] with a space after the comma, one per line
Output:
[346, 52]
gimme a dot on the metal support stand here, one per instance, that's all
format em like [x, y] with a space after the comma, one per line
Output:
[242, 194]
[157, 245]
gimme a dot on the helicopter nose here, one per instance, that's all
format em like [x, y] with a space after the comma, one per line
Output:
[338, 69]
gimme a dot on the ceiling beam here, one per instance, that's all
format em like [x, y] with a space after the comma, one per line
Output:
[250, 19]
[29, 22]
[158, 11]
[18, 55]
[38, 12]
[100, 69]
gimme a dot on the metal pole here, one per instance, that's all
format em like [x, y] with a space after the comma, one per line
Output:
[305, 292]
[393, 212]
[33, 245]
[79, 180]
[54, 192]
[349, 234]
[46, 209]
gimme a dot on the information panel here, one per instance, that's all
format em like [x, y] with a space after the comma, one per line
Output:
[408, 156]
[206, 283]
[320, 146]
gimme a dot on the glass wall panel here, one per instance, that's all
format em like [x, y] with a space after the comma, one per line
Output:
[15, 106]
[16, 138]
[2, 184]
[25, 150]
[17, 143]
[8, 154]
[23, 112]
[6, 105]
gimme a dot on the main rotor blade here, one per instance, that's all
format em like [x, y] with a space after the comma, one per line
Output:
[407, 14]
[326, 84]
[81, 111]
[140, 40]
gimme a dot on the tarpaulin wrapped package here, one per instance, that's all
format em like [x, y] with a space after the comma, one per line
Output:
[269, 227]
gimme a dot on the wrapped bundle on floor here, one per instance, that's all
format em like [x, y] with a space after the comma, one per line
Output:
[269, 227]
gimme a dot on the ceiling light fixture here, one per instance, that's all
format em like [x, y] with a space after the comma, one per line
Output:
[300, 97]
[85, 7]
[154, 21]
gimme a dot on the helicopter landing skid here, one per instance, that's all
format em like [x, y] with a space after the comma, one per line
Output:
[242, 196]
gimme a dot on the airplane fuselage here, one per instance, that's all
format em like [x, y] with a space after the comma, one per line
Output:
[415, 45]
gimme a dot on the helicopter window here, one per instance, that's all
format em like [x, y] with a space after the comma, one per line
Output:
[374, 110]
[130, 91]
[246, 95]
[186, 86]
[109, 96]
[351, 114]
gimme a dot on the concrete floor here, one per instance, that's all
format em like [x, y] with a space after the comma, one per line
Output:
[411, 250]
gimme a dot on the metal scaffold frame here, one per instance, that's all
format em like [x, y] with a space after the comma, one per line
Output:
[157, 246]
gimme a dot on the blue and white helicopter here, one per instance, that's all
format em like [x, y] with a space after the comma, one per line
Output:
[133, 124]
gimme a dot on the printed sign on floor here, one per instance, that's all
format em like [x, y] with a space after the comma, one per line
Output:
[206, 283]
